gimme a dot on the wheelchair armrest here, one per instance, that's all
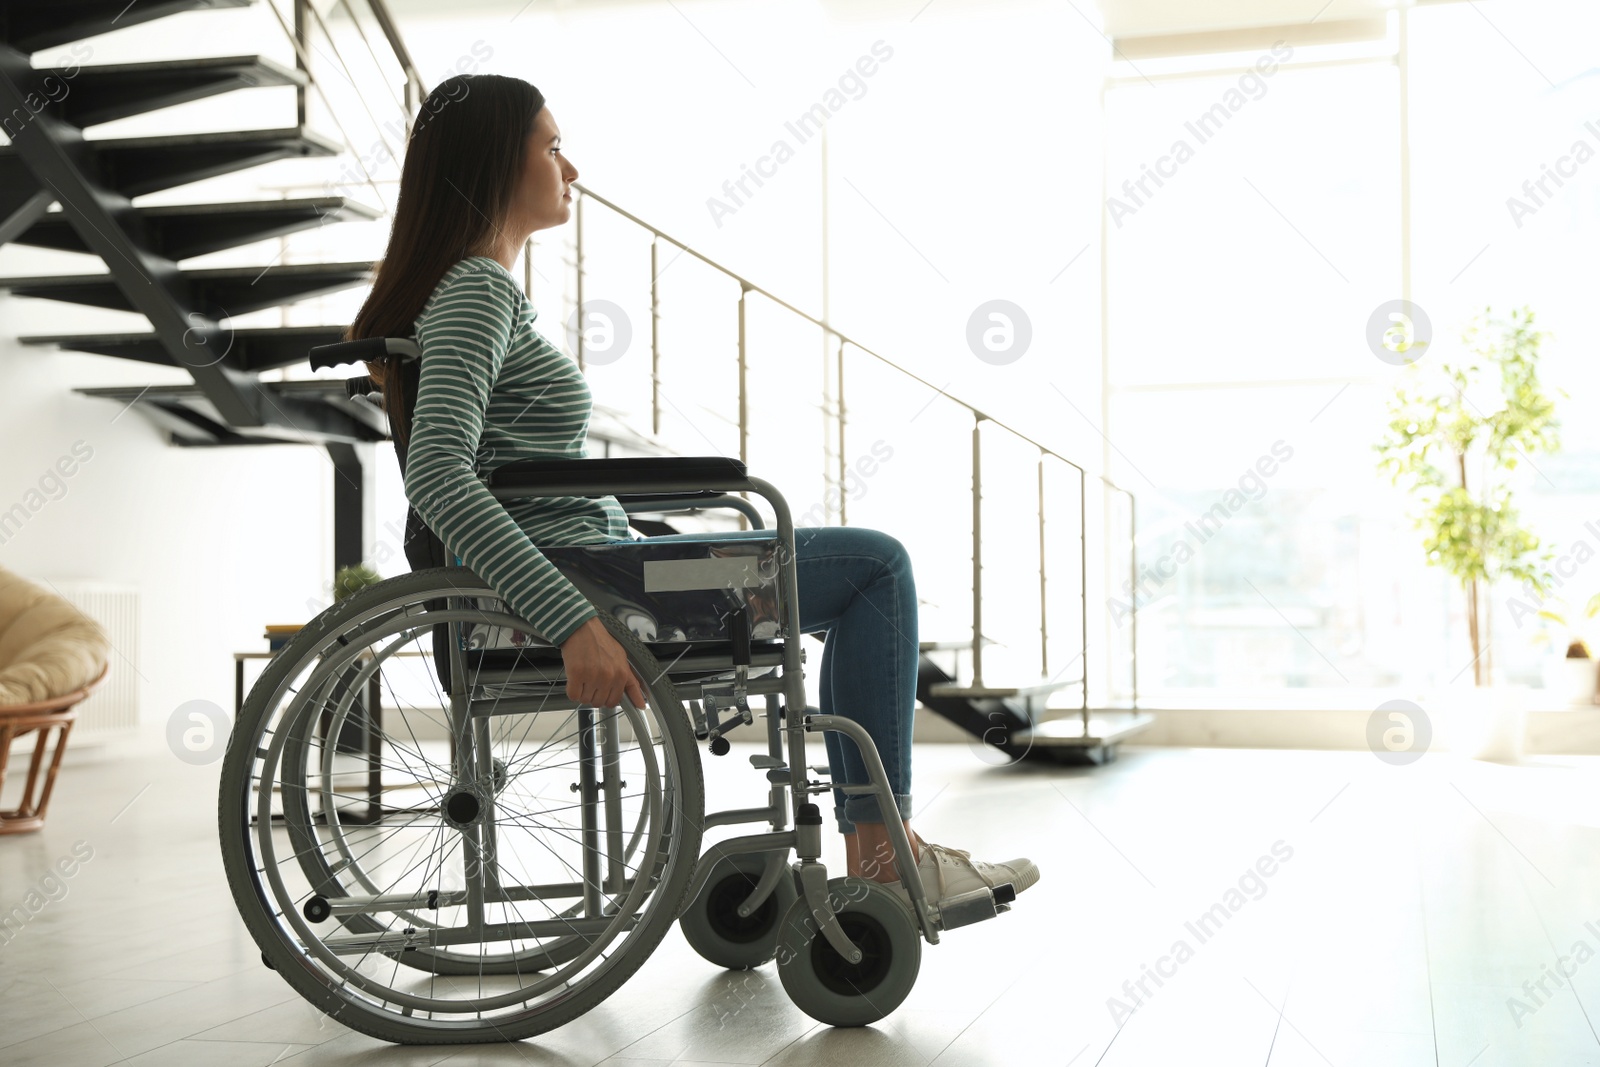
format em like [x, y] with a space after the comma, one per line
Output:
[687, 476]
[682, 503]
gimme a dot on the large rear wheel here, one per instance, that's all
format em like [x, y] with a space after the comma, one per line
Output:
[478, 861]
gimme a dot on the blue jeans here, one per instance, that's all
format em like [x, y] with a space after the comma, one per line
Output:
[856, 584]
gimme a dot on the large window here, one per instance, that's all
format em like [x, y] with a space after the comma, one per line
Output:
[1242, 271]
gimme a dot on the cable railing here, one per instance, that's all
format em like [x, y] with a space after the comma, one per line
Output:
[838, 407]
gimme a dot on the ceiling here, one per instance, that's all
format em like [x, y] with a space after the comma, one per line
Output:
[1119, 18]
[1130, 18]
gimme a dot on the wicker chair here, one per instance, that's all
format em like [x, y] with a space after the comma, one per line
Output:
[51, 657]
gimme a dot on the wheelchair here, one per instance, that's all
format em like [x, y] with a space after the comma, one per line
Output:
[431, 843]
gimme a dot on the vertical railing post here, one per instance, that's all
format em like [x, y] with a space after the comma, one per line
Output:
[977, 550]
[844, 464]
[1083, 588]
[1133, 575]
[655, 336]
[1044, 601]
[830, 416]
[300, 36]
[744, 366]
[578, 259]
[744, 386]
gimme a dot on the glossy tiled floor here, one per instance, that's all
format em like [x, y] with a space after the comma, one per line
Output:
[1437, 914]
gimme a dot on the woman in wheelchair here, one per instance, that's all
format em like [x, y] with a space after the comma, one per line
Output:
[483, 170]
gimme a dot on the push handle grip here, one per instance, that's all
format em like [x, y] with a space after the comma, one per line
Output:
[367, 349]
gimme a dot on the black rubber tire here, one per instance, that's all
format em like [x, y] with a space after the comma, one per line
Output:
[711, 922]
[675, 866]
[818, 979]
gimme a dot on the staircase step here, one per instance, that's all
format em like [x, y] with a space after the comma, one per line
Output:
[306, 412]
[254, 349]
[1106, 727]
[134, 166]
[31, 25]
[117, 90]
[991, 691]
[229, 290]
[182, 231]
[963, 644]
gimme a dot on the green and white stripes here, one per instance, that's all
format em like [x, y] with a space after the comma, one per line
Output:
[493, 390]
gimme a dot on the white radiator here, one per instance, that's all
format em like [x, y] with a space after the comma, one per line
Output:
[114, 705]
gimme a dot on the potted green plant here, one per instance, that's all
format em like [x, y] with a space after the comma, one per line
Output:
[1458, 429]
[346, 580]
[353, 579]
[1571, 675]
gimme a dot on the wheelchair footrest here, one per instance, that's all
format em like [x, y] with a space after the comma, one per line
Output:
[976, 906]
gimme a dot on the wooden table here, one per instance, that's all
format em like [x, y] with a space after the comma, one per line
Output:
[371, 728]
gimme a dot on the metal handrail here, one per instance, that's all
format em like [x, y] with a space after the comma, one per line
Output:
[416, 88]
[748, 286]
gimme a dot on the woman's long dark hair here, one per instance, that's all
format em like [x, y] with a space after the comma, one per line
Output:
[464, 160]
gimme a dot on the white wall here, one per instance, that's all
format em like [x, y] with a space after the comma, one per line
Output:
[218, 541]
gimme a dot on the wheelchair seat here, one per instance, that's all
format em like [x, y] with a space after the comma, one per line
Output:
[682, 592]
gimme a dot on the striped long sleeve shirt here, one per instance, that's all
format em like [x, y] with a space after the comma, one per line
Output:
[492, 390]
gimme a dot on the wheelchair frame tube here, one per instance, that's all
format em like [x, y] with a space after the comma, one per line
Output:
[635, 505]
[587, 790]
[737, 846]
[892, 824]
[475, 867]
[488, 837]
[794, 687]
[611, 782]
[794, 690]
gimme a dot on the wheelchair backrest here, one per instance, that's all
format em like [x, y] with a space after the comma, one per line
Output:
[423, 547]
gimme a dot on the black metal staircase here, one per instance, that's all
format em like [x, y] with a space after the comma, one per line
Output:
[183, 231]
[31, 27]
[91, 184]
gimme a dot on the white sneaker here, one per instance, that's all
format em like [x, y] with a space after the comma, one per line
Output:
[948, 872]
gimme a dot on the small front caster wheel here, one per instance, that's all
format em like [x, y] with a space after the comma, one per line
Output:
[820, 981]
[713, 926]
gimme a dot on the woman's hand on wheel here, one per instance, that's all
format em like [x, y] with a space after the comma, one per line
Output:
[598, 672]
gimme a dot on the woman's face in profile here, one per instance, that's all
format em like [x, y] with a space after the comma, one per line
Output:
[544, 198]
